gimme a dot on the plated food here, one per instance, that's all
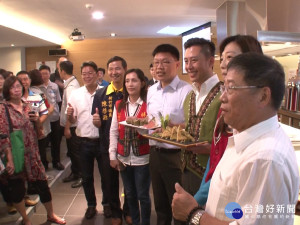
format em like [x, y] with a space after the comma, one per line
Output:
[141, 123]
[175, 133]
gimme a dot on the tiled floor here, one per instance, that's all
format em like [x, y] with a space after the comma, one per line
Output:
[68, 202]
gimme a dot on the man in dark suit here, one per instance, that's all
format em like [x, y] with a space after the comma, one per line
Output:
[154, 79]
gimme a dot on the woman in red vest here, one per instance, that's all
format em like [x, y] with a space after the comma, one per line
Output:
[128, 150]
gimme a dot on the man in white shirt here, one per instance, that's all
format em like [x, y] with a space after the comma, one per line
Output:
[257, 180]
[70, 84]
[166, 98]
[79, 110]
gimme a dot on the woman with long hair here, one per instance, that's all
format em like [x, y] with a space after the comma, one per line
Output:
[23, 119]
[128, 150]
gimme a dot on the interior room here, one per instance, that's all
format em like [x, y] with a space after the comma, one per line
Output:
[36, 32]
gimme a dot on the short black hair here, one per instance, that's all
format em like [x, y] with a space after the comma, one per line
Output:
[22, 72]
[263, 71]
[101, 69]
[167, 48]
[117, 58]
[89, 63]
[207, 47]
[45, 67]
[66, 66]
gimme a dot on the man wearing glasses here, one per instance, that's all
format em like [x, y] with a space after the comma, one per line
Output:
[166, 98]
[258, 172]
[79, 110]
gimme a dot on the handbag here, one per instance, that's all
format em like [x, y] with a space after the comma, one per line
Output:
[17, 145]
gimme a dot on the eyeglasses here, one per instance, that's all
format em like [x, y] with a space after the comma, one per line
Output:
[16, 87]
[229, 90]
[165, 63]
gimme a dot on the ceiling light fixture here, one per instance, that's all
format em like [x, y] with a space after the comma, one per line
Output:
[97, 15]
[113, 34]
[12, 45]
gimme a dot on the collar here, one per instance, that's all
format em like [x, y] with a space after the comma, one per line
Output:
[69, 79]
[172, 85]
[139, 101]
[111, 88]
[30, 93]
[242, 140]
[86, 90]
[207, 85]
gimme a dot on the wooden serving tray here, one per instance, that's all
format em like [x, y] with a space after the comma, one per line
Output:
[179, 144]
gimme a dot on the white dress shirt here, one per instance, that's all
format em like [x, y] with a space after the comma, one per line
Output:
[258, 168]
[168, 100]
[82, 101]
[70, 85]
[114, 135]
[204, 90]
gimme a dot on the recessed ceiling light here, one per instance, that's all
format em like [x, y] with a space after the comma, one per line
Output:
[113, 34]
[97, 15]
[288, 43]
[12, 45]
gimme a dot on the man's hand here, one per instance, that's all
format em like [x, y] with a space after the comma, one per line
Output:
[182, 203]
[70, 113]
[201, 148]
[67, 133]
[96, 119]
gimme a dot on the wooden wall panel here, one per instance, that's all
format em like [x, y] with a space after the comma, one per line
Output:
[136, 51]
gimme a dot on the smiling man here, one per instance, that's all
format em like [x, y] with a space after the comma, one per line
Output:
[79, 110]
[258, 173]
[166, 97]
[201, 109]
[102, 111]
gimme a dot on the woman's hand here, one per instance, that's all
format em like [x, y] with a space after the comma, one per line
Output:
[115, 164]
[33, 116]
[10, 167]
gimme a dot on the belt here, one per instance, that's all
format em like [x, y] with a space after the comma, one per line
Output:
[165, 150]
[86, 139]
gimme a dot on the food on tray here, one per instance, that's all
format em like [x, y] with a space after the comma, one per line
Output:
[175, 133]
[133, 120]
[164, 121]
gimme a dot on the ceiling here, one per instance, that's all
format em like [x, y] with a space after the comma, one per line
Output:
[126, 18]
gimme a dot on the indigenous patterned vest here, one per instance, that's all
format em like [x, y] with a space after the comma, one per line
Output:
[200, 126]
[129, 137]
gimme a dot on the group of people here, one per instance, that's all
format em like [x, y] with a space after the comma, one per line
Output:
[242, 155]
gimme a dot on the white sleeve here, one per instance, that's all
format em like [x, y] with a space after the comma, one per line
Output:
[261, 185]
[113, 136]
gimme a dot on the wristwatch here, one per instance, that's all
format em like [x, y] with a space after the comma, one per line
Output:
[195, 220]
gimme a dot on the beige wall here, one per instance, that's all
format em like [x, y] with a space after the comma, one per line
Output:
[136, 51]
[11, 59]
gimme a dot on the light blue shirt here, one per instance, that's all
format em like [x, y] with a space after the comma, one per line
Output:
[167, 100]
